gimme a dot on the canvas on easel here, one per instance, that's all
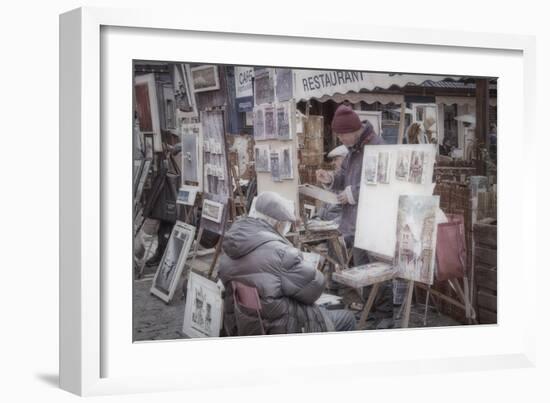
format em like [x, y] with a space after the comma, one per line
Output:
[378, 205]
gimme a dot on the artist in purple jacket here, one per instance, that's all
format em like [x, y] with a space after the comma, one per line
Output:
[355, 135]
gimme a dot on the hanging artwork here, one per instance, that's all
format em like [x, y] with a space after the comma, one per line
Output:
[186, 105]
[270, 122]
[274, 165]
[259, 126]
[286, 163]
[187, 195]
[416, 237]
[212, 210]
[402, 165]
[416, 167]
[284, 86]
[214, 156]
[383, 170]
[205, 78]
[203, 308]
[261, 156]
[284, 128]
[371, 167]
[191, 153]
[173, 260]
[263, 86]
[147, 107]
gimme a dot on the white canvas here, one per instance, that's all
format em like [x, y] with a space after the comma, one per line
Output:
[377, 207]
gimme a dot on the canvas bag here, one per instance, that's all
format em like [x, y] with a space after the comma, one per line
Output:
[161, 201]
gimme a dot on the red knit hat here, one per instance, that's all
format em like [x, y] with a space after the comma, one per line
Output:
[345, 120]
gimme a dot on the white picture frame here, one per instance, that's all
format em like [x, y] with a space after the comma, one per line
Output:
[173, 260]
[207, 73]
[97, 357]
[204, 320]
[212, 210]
[148, 81]
[187, 195]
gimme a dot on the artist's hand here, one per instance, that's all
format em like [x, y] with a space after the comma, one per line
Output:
[342, 198]
[323, 176]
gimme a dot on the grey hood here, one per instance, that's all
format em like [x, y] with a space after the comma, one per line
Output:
[247, 234]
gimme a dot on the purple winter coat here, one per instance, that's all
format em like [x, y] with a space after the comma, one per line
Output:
[350, 175]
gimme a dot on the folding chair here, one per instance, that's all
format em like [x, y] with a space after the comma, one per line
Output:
[247, 297]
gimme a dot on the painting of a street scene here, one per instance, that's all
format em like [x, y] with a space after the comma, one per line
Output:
[417, 167]
[203, 309]
[383, 171]
[371, 165]
[402, 165]
[416, 237]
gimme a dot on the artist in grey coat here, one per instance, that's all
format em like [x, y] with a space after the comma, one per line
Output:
[257, 255]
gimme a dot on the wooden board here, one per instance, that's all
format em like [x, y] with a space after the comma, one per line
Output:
[486, 256]
[485, 234]
[487, 300]
[487, 317]
[486, 277]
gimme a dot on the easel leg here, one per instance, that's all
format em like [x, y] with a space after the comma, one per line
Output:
[216, 255]
[368, 306]
[426, 307]
[144, 262]
[408, 303]
[339, 255]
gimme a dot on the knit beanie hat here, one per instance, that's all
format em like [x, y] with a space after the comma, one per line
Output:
[345, 120]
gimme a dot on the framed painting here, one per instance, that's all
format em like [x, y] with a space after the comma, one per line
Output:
[203, 307]
[147, 107]
[173, 260]
[205, 78]
[96, 354]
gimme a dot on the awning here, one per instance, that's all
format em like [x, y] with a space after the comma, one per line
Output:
[470, 101]
[369, 98]
[310, 84]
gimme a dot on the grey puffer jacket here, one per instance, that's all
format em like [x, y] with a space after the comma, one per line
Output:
[350, 175]
[258, 256]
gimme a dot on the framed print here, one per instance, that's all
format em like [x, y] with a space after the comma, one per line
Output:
[149, 144]
[147, 107]
[192, 154]
[97, 356]
[173, 260]
[212, 210]
[203, 308]
[187, 195]
[205, 78]
[186, 105]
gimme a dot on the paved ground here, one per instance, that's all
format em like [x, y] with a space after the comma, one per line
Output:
[155, 320]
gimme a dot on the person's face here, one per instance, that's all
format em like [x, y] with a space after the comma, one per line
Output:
[337, 162]
[349, 139]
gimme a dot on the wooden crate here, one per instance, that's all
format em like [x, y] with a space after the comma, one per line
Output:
[485, 265]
